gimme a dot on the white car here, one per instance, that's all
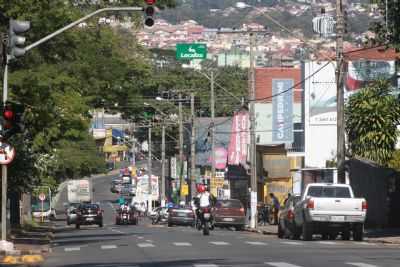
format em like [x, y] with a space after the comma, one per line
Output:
[330, 209]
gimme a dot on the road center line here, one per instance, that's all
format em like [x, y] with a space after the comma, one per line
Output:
[145, 245]
[281, 264]
[108, 247]
[72, 249]
[205, 265]
[220, 243]
[292, 243]
[256, 243]
[360, 264]
[327, 243]
[182, 244]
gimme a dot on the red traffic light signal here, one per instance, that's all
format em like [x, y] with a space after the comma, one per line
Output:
[8, 114]
[150, 2]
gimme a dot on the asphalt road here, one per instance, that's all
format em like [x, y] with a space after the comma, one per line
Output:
[146, 245]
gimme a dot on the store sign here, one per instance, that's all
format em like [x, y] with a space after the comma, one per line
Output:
[282, 110]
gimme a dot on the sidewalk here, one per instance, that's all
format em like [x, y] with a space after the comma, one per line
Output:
[385, 236]
[31, 246]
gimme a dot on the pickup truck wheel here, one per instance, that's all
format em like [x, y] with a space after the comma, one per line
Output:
[307, 231]
[358, 232]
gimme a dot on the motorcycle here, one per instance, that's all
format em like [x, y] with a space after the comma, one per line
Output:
[206, 220]
[126, 217]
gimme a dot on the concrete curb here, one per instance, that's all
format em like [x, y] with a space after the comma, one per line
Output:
[263, 232]
[383, 241]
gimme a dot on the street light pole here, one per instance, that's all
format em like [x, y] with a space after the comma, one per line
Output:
[163, 165]
[341, 175]
[192, 150]
[181, 148]
[253, 169]
[149, 163]
[212, 107]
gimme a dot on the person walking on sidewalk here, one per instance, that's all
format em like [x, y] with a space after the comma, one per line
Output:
[275, 207]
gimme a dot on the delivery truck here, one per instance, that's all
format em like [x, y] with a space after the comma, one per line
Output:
[79, 191]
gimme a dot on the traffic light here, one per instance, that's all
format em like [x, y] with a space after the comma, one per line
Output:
[149, 12]
[15, 41]
[12, 121]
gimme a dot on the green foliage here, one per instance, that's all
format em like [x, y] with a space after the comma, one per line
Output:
[394, 162]
[391, 34]
[60, 81]
[372, 116]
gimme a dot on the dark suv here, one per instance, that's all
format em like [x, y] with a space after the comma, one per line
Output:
[89, 214]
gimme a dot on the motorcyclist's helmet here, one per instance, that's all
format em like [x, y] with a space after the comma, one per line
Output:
[201, 188]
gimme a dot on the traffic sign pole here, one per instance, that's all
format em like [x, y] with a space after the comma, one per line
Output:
[42, 215]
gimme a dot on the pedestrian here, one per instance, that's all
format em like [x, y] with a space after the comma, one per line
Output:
[275, 207]
[265, 214]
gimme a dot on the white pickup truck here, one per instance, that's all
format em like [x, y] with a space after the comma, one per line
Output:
[329, 210]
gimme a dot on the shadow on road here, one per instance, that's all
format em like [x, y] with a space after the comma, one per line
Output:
[175, 263]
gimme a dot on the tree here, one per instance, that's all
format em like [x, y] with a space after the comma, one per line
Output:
[372, 116]
[390, 34]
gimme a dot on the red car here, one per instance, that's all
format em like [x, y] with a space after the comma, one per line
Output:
[229, 213]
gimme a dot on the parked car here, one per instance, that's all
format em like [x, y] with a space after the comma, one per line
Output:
[286, 223]
[70, 212]
[329, 210]
[229, 213]
[182, 215]
[88, 214]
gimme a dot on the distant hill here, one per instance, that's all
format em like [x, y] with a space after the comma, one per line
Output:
[233, 13]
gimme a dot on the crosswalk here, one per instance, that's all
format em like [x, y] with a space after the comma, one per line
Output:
[151, 244]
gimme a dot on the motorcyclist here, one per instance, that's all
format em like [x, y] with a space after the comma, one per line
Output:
[204, 200]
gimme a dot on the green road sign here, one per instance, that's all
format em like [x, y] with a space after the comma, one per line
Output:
[191, 51]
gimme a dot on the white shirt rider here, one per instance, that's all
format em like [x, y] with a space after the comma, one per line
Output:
[204, 199]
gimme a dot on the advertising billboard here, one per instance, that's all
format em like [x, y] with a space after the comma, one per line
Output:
[237, 150]
[320, 91]
[282, 110]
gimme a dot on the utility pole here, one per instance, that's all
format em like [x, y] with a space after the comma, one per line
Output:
[181, 180]
[149, 163]
[192, 149]
[4, 167]
[212, 103]
[253, 167]
[339, 92]
[163, 165]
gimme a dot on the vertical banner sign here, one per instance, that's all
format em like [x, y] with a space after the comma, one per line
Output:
[237, 150]
[282, 111]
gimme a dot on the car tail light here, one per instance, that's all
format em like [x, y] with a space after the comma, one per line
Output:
[310, 204]
[290, 215]
[364, 206]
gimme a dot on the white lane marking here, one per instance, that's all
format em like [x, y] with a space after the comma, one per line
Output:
[256, 243]
[281, 264]
[220, 243]
[148, 240]
[292, 243]
[140, 237]
[72, 249]
[205, 265]
[117, 231]
[108, 247]
[182, 244]
[145, 245]
[364, 243]
[360, 264]
[327, 243]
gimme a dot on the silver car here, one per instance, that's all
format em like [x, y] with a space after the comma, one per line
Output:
[70, 212]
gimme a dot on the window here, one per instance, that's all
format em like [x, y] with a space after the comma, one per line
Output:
[229, 204]
[329, 192]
